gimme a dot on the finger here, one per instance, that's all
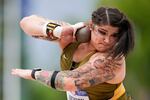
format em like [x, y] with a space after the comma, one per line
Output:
[14, 71]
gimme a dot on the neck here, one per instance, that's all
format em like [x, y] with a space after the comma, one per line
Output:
[91, 47]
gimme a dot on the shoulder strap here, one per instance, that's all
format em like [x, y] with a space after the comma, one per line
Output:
[86, 58]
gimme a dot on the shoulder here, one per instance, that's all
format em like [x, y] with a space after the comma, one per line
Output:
[101, 59]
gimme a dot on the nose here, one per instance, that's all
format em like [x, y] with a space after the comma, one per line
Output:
[106, 39]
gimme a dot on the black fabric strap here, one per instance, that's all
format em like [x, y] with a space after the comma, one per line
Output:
[33, 72]
[53, 79]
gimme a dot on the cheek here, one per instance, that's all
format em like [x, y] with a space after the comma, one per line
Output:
[95, 38]
[113, 40]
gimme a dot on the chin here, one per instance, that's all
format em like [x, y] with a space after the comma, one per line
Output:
[103, 49]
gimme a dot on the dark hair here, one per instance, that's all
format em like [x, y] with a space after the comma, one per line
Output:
[113, 17]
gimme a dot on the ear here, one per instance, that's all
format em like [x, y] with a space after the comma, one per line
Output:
[91, 25]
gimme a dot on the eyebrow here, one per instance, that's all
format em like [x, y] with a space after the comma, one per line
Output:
[103, 29]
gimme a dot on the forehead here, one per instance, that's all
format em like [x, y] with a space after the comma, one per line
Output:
[108, 28]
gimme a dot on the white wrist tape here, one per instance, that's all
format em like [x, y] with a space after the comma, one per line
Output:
[77, 26]
[57, 31]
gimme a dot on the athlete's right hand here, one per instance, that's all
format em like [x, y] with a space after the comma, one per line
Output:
[23, 73]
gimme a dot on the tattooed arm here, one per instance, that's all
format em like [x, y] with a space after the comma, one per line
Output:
[97, 70]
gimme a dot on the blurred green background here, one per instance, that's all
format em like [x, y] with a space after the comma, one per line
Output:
[19, 50]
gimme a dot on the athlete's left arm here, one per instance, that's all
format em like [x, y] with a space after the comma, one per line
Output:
[97, 70]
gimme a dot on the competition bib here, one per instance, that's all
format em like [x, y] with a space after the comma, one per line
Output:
[78, 95]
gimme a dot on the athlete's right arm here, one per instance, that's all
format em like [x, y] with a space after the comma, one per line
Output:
[38, 27]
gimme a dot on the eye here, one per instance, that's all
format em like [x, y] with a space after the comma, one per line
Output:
[115, 35]
[101, 32]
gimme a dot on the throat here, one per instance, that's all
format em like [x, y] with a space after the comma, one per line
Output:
[82, 52]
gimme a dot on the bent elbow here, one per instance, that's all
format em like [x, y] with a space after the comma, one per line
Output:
[27, 24]
[23, 24]
[24, 21]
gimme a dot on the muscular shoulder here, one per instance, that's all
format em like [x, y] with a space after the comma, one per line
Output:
[101, 60]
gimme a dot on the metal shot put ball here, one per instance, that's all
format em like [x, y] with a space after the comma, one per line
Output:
[83, 34]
